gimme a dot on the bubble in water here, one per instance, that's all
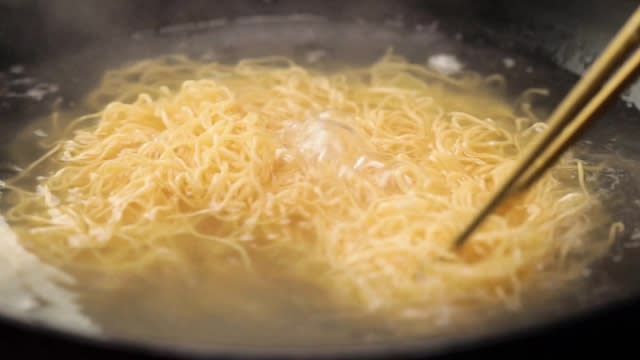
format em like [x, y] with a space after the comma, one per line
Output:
[445, 63]
[321, 139]
[509, 63]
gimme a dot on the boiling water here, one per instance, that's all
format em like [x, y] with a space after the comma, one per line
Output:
[231, 305]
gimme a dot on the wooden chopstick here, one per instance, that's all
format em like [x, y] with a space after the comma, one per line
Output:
[587, 97]
[574, 129]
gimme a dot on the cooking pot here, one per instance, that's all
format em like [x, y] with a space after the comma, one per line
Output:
[65, 46]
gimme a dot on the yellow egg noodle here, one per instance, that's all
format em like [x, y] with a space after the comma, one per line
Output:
[354, 180]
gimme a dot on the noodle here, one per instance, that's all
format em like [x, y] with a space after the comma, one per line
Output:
[355, 181]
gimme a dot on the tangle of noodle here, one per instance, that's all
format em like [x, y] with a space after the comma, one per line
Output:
[355, 180]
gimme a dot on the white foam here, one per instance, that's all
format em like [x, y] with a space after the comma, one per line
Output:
[509, 63]
[34, 291]
[445, 63]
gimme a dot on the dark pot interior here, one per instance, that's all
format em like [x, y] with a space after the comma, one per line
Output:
[69, 44]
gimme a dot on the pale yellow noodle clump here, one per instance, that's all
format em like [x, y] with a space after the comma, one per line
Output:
[356, 181]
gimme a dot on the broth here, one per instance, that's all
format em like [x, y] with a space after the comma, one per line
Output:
[214, 301]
